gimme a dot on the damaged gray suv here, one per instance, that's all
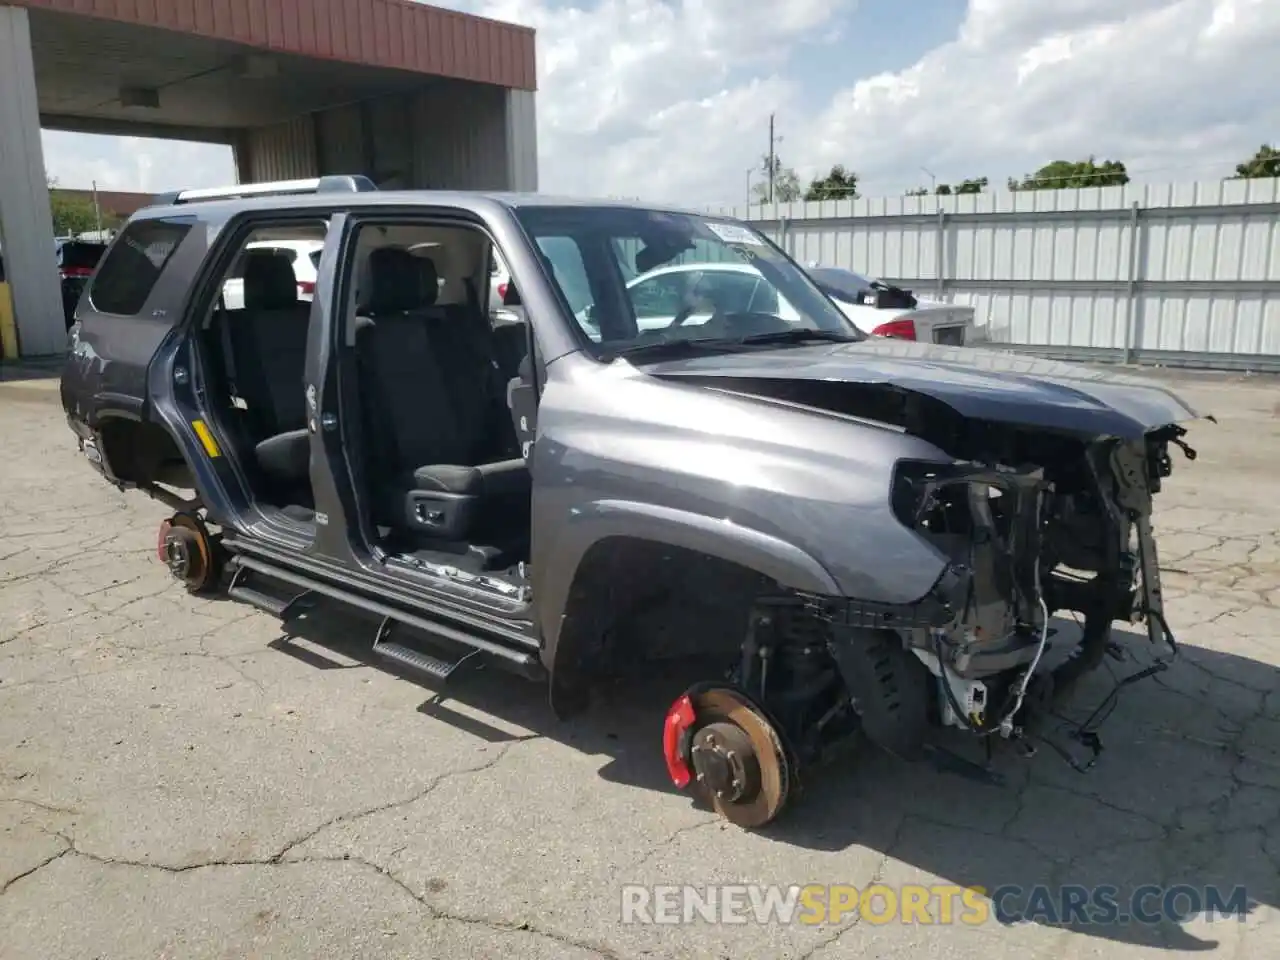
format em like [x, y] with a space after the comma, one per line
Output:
[852, 535]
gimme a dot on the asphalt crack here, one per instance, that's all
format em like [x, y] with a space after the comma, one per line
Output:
[433, 784]
[877, 877]
[5, 888]
[432, 911]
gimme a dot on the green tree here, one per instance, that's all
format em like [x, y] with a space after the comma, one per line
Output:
[73, 214]
[965, 186]
[976, 185]
[786, 183]
[1264, 163]
[1073, 174]
[839, 184]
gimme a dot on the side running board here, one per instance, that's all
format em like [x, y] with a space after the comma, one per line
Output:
[523, 662]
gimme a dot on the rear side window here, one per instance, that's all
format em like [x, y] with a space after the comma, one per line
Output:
[130, 271]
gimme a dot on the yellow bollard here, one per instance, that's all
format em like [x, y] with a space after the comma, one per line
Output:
[8, 328]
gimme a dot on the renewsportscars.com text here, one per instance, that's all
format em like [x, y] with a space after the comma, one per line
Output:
[937, 904]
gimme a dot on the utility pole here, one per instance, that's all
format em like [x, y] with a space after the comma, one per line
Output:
[97, 210]
[773, 159]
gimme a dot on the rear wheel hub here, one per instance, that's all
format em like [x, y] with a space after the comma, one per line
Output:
[186, 548]
[179, 551]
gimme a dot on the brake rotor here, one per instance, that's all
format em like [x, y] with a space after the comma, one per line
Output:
[186, 548]
[740, 764]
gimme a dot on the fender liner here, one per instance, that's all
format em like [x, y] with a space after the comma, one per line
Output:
[600, 520]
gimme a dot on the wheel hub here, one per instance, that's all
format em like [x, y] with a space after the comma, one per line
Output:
[177, 552]
[740, 765]
[725, 762]
[187, 551]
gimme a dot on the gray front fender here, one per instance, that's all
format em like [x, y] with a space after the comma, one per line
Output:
[600, 520]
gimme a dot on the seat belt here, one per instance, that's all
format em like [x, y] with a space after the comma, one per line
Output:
[228, 353]
[495, 386]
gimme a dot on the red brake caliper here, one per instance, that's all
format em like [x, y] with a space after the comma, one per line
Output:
[675, 740]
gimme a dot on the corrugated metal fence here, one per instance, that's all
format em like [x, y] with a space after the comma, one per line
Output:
[1183, 275]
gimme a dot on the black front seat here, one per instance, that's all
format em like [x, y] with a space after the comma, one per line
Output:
[427, 391]
[269, 345]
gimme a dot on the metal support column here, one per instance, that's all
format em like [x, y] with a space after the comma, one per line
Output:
[522, 141]
[1131, 294]
[940, 256]
[26, 222]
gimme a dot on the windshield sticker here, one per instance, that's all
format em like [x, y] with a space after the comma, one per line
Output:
[732, 233]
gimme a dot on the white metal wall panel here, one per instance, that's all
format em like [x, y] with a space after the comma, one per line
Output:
[1175, 272]
[1050, 317]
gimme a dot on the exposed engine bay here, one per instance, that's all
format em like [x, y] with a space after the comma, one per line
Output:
[1040, 524]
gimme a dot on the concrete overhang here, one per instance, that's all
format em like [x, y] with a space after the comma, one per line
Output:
[201, 69]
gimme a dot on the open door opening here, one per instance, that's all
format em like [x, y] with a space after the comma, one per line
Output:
[446, 480]
[254, 347]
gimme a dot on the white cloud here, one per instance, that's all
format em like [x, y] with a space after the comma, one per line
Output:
[669, 99]
[1176, 88]
[134, 163]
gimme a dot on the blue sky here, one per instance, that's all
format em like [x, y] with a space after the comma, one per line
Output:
[670, 99]
[877, 36]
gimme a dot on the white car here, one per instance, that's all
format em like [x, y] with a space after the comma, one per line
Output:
[880, 309]
[873, 307]
[303, 254]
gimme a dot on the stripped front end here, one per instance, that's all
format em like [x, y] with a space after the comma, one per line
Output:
[1068, 531]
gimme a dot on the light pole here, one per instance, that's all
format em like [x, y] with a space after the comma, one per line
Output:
[97, 210]
[933, 181]
[750, 171]
[773, 157]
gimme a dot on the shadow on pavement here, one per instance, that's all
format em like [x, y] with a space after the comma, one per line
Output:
[1182, 805]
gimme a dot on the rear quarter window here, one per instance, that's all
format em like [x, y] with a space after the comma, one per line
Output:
[134, 263]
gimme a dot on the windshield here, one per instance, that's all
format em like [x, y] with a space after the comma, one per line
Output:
[843, 283]
[633, 278]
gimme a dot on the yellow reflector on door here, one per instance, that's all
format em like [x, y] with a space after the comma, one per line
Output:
[206, 438]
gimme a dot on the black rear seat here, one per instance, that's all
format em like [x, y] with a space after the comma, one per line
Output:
[428, 391]
[269, 351]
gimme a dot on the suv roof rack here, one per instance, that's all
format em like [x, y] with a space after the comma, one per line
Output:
[343, 183]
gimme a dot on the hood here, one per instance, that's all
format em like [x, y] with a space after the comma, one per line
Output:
[976, 382]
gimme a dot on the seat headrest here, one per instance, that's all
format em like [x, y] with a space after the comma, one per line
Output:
[429, 277]
[396, 281]
[269, 281]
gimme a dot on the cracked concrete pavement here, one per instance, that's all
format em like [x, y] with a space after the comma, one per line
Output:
[178, 780]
